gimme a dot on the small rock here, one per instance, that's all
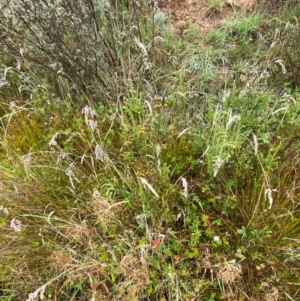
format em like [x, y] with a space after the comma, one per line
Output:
[243, 4]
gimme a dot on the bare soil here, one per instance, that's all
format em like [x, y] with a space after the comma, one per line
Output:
[195, 11]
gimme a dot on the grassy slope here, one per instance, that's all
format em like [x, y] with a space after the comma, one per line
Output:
[186, 188]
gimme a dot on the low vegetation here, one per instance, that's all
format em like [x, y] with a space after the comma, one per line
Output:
[141, 161]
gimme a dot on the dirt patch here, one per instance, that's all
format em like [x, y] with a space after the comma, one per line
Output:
[196, 11]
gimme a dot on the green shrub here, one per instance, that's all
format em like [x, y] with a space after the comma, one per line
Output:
[89, 46]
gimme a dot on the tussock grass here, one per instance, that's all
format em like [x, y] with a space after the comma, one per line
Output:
[179, 182]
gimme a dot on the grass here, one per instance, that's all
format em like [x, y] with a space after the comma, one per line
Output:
[178, 183]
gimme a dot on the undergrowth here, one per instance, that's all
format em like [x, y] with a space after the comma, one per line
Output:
[172, 175]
